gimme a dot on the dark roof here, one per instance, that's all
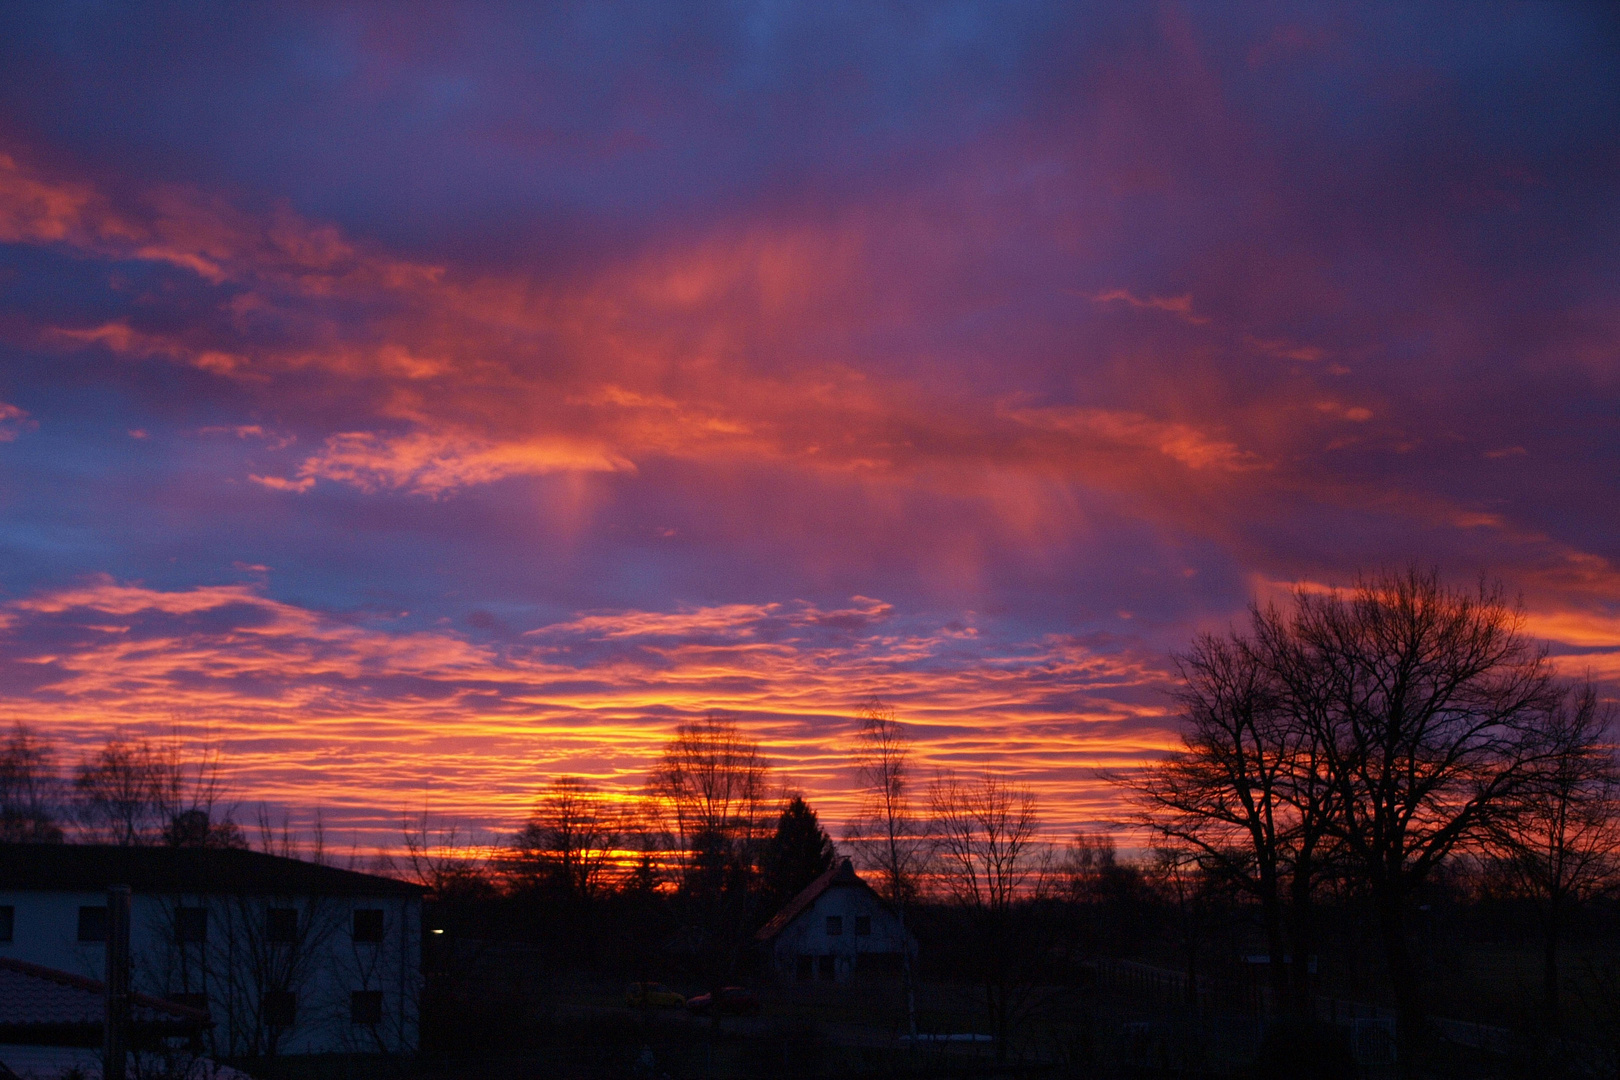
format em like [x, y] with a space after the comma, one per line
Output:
[842, 875]
[93, 867]
[31, 995]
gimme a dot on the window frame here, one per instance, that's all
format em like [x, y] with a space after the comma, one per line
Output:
[373, 1000]
[835, 926]
[273, 933]
[93, 921]
[367, 938]
[269, 1002]
[191, 925]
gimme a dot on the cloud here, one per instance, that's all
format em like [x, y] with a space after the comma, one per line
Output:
[435, 463]
[365, 714]
[13, 421]
[1179, 306]
[1356, 414]
[117, 337]
[1179, 442]
[1016, 323]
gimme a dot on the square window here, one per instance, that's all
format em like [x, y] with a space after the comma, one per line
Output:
[8, 921]
[368, 924]
[279, 1007]
[281, 925]
[191, 1001]
[365, 1007]
[863, 926]
[93, 924]
[191, 924]
[835, 925]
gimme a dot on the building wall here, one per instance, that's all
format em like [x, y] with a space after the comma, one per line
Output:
[807, 936]
[322, 967]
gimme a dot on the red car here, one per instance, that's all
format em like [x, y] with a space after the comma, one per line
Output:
[733, 999]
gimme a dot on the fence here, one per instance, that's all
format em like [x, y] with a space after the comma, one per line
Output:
[1230, 1015]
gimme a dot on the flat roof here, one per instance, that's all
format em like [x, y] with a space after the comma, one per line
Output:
[94, 867]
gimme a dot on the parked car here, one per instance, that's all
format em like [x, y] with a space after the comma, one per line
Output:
[733, 999]
[656, 995]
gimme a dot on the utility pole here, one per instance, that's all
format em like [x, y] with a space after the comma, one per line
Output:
[115, 1042]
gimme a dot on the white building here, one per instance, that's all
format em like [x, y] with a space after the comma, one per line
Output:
[286, 956]
[837, 927]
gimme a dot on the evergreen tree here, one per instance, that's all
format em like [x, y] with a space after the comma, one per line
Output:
[797, 854]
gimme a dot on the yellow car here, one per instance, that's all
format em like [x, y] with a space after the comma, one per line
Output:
[656, 995]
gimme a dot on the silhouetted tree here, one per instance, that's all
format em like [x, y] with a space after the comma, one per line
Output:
[1562, 844]
[1248, 793]
[888, 837]
[1220, 801]
[194, 829]
[799, 852]
[29, 788]
[444, 860]
[1431, 708]
[143, 792]
[710, 785]
[1189, 886]
[990, 866]
[1112, 898]
[567, 847]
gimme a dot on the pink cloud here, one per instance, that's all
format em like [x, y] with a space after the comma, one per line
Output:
[363, 717]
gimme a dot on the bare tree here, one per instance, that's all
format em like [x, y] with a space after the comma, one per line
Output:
[888, 837]
[443, 860]
[989, 861]
[1218, 802]
[275, 837]
[29, 788]
[134, 792]
[569, 841]
[113, 790]
[711, 784]
[649, 844]
[1562, 844]
[1433, 709]
[1111, 898]
[1247, 796]
[1187, 881]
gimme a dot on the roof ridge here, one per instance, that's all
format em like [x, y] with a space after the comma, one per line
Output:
[842, 872]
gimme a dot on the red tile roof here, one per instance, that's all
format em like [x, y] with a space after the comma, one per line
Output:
[31, 994]
[842, 875]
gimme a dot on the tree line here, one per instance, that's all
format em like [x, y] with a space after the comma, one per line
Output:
[1348, 749]
[131, 791]
[1370, 742]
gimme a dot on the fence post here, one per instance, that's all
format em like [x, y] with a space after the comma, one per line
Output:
[115, 1033]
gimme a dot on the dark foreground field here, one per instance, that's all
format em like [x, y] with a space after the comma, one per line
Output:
[496, 1015]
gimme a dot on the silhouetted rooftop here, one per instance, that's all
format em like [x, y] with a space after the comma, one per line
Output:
[841, 875]
[93, 867]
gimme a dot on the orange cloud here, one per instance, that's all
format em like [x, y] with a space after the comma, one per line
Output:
[12, 422]
[433, 463]
[364, 717]
[1179, 306]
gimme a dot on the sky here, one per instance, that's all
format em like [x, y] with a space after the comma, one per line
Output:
[420, 402]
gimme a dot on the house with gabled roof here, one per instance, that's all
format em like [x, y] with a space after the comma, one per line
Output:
[837, 928]
[283, 956]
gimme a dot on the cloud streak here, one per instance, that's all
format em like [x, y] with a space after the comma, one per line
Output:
[366, 719]
[552, 383]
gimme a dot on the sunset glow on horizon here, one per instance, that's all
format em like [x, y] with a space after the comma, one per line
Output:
[422, 403]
